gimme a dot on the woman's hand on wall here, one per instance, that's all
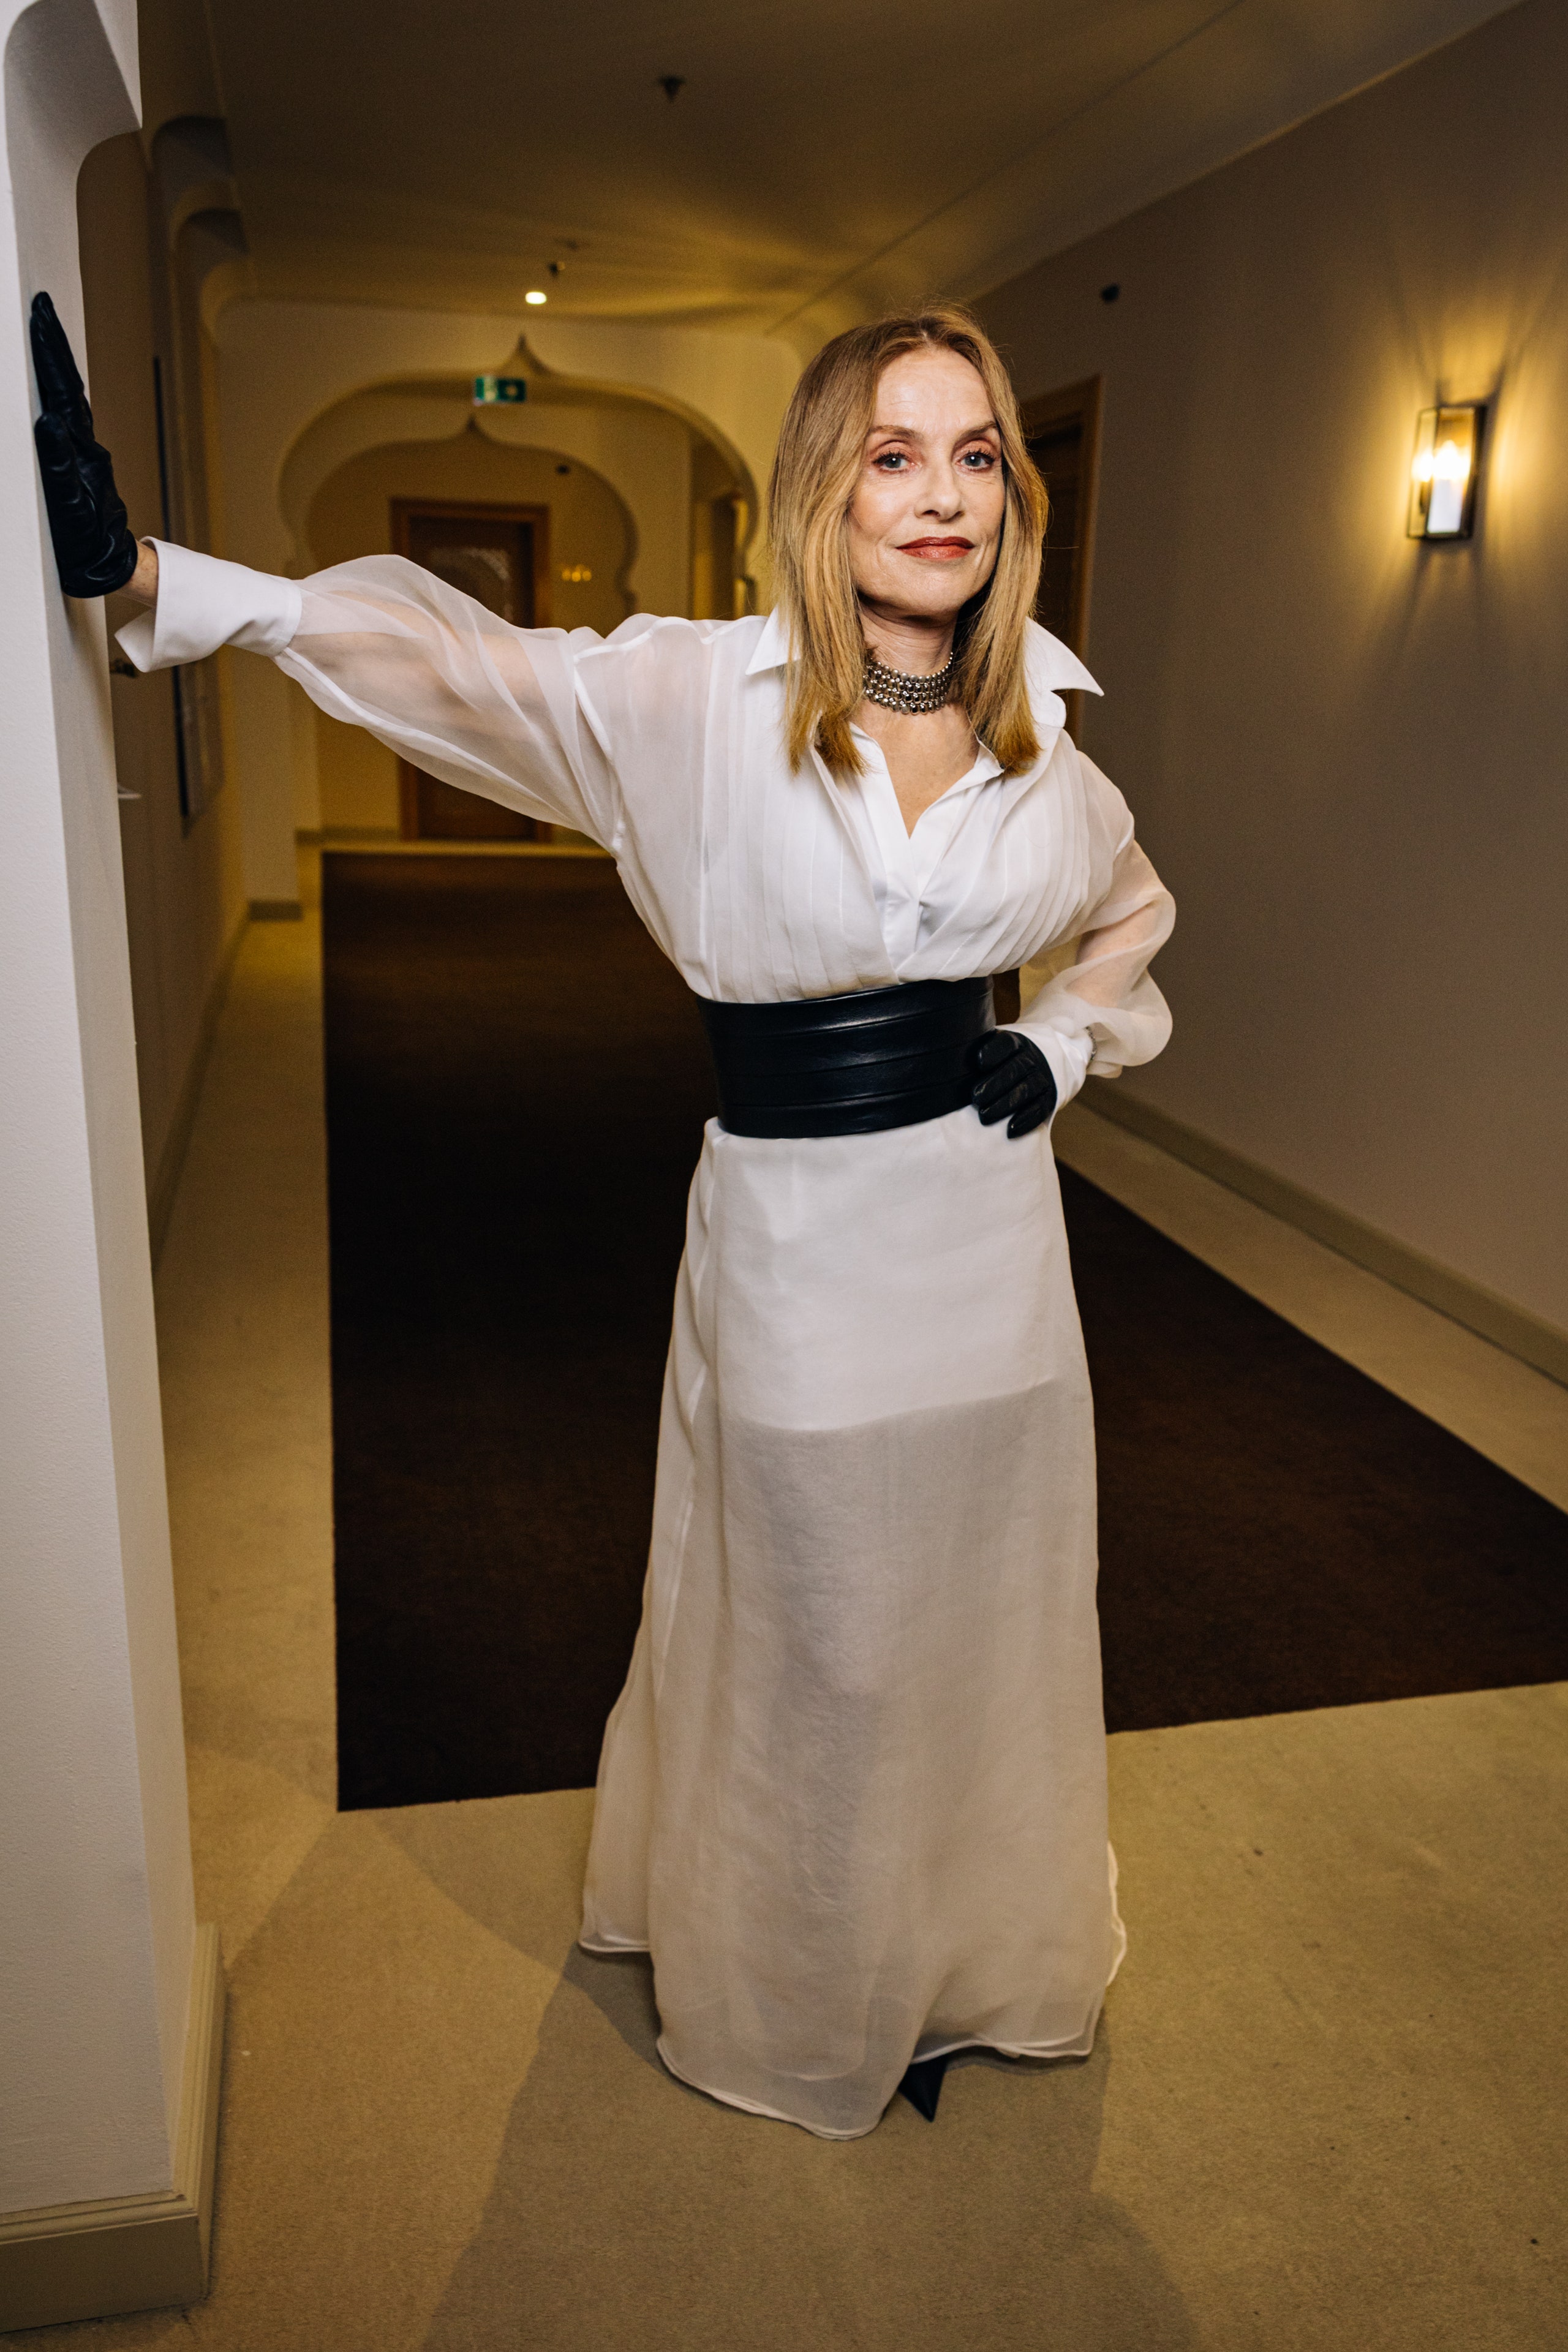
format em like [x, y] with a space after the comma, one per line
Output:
[93, 546]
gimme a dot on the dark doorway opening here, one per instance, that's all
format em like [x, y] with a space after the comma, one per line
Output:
[1062, 429]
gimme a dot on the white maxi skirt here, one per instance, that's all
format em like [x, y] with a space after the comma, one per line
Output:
[852, 1797]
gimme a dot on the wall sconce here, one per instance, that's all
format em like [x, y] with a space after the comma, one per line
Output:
[1443, 472]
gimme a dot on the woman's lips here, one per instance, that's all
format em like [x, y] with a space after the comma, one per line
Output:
[938, 548]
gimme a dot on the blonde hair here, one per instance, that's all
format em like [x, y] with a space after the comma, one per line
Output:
[821, 448]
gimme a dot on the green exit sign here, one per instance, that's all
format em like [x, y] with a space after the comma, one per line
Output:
[491, 390]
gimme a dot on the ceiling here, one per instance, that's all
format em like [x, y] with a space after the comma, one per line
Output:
[824, 158]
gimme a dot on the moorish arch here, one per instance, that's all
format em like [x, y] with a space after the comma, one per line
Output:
[286, 370]
[613, 478]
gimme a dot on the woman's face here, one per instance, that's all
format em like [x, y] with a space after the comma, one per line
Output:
[925, 521]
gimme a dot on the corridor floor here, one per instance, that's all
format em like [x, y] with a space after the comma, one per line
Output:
[1325, 2106]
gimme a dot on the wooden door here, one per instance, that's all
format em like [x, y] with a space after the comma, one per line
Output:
[1063, 430]
[501, 557]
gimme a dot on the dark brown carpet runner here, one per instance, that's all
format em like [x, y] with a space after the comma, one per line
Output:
[516, 1087]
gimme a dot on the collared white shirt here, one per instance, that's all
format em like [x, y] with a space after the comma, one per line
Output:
[664, 742]
[904, 866]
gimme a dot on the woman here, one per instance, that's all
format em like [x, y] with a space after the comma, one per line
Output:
[852, 1799]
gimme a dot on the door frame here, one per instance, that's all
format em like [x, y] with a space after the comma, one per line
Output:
[403, 510]
[1081, 400]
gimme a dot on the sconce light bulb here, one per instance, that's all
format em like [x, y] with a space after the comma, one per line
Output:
[535, 297]
[1443, 472]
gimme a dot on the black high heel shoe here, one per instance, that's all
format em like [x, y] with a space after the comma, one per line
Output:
[921, 2084]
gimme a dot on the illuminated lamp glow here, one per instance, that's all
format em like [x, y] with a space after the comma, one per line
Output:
[1443, 472]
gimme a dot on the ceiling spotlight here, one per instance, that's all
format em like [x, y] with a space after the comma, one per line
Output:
[535, 297]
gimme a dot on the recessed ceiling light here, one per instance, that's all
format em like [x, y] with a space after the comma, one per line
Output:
[535, 297]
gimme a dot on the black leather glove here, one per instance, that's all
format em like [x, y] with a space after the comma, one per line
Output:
[1012, 1081]
[93, 546]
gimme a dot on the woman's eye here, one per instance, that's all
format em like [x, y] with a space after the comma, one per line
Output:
[980, 460]
[889, 458]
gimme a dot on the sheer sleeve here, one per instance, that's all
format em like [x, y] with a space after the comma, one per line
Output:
[1101, 1011]
[426, 670]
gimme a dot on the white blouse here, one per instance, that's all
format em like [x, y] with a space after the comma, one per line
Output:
[663, 742]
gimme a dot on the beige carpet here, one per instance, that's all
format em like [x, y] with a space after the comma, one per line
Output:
[1326, 2109]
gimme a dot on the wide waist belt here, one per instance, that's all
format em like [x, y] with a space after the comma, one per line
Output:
[847, 1065]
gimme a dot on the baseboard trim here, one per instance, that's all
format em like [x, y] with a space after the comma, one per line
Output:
[117, 2254]
[1530, 1338]
[176, 1143]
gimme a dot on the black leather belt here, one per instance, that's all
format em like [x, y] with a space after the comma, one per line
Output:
[847, 1064]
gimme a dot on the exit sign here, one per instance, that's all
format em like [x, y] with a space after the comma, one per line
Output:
[490, 390]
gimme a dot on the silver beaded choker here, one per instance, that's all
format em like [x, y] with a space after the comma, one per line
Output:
[898, 691]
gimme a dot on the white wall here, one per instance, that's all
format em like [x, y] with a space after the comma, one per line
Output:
[283, 365]
[1345, 749]
[184, 897]
[642, 452]
[96, 1925]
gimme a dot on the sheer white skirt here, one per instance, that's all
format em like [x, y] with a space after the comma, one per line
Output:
[852, 1799]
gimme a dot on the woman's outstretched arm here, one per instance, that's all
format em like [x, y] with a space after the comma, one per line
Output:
[381, 645]
[434, 676]
[142, 583]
